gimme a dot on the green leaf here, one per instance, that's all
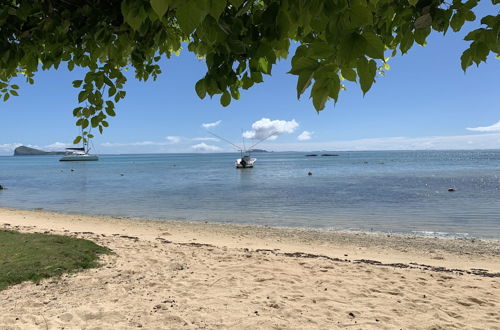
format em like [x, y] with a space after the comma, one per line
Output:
[457, 21]
[406, 42]
[375, 47]
[413, 2]
[77, 140]
[200, 88]
[235, 94]
[133, 12]
[191, 13]
[466, 59]
[111, 91]
[361, 14]
[159, 6]
[263, 65]
[256, 77]
[326, 71]
[319, 94]
[77, 112]
[77, 83]
[236, 3]
[225, 99]
[366, 72]
[303, 82]
[469, 16]
[247, 82]
[14, 87]
[95, 121]
[13, 92]
[349, 74]
[334, 87]
[6, 97]
[421, 35]
[423, 22]
[110, 111]
[85, 123]
[301, 64]
[82, 96]
[352, 47]
[216, 8]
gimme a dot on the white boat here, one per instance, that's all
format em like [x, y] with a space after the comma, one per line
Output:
[245, 162]
[78, 154]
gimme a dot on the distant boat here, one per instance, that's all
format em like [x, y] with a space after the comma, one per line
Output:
[245, 161]
[79, 154]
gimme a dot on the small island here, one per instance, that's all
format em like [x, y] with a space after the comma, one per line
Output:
[27, 151]
[322, 155]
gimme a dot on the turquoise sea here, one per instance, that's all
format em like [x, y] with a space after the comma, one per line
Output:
[386, 191]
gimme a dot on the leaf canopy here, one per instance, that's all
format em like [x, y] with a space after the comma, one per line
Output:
[240, 41]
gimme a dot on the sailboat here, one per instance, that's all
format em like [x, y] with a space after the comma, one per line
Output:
[79, 154]
[246, 160]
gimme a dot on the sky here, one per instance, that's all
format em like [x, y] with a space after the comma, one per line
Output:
[425, 101]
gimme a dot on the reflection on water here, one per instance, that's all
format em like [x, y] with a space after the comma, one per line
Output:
[381, 191]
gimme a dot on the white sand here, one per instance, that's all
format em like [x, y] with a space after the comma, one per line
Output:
[164, 279]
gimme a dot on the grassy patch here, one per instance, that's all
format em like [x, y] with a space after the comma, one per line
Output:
[32, 257]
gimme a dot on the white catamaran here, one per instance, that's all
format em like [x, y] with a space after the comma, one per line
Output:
[79, 154]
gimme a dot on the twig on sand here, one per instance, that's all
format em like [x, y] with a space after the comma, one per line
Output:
[45, 320]
[217, 281]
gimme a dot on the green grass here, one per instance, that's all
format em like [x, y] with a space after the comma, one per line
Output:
[32, 257]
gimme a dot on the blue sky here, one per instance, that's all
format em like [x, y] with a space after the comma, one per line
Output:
[425, 101]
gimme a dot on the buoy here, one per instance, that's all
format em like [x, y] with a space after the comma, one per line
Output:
[451, 189]
[121, 174]
[309, 173]
[1, 187]
[72, 170]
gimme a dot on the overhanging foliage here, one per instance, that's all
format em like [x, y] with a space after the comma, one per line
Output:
[240, 41]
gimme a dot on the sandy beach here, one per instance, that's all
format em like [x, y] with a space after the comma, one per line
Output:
[171, 275]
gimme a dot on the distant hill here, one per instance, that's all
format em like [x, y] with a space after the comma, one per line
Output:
[27, 151]
[258, 150]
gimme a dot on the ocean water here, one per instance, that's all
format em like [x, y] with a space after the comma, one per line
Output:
[385, 191]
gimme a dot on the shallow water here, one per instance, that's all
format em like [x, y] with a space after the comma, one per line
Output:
[396, 191]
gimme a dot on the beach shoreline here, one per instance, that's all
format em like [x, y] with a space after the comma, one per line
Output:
[256, 277]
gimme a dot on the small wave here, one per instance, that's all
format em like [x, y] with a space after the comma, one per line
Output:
[441, 234]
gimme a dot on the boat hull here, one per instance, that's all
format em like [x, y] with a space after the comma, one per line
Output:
[247, 163]
[78, 158]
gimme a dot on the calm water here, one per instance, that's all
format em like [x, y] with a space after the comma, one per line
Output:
[381, 191]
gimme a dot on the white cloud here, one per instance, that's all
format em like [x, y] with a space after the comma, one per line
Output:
[211, 125]
[459, 142]
[134, 144]
[270, 129]
[8, 148]
[205, 139]
[304, 136]
[57, 146]
[174, 139]
[205, 147]
[492, 128]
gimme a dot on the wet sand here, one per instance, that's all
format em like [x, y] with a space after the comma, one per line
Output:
[171, 275]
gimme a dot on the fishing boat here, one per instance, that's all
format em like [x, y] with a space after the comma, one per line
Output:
[246, 160]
